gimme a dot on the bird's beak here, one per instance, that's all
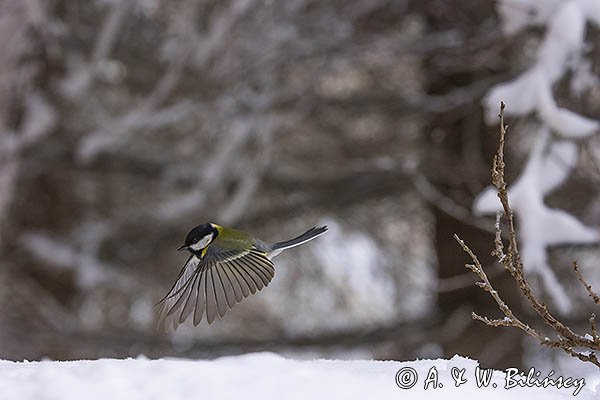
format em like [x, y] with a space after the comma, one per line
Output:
[182, 247]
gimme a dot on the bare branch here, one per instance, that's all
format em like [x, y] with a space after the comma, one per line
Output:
[586, 285]
[566, 338]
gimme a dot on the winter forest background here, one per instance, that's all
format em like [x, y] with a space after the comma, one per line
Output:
[125, 123]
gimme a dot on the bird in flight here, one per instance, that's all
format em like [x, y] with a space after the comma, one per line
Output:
[224, 267]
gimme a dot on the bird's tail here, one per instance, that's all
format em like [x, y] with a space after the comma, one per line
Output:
[297, 241]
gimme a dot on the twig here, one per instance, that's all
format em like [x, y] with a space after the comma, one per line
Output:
[586, 285]
[459, 282]
[510, 319]
[566, 339]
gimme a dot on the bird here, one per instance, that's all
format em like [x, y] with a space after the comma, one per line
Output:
[224, 267]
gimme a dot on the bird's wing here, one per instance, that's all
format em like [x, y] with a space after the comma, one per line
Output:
[221, 279]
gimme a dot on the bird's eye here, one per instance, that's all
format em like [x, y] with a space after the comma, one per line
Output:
[196, 240]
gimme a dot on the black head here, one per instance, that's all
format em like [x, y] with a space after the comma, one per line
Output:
[200, 237]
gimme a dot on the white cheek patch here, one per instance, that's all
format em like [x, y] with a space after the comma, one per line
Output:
[202, 243]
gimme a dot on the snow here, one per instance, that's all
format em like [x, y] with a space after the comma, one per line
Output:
[261, 375]
[561, 49]
[518, 14]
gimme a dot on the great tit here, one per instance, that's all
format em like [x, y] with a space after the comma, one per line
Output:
[224, 267]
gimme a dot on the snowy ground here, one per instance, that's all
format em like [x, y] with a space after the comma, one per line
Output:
[261, 375]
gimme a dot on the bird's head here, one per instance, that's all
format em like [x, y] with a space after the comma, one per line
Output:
[199, 238]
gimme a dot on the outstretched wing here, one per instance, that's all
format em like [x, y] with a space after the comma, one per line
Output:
[216, 283]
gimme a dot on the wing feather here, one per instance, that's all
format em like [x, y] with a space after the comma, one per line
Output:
[211, 286]
[245, 287]
[257, 270]
[227, 287]
[264, 260]
[262, 265]
[200, 299]
[220, 291]
[237, 289]
[188, 306]
[253, 283]
[211, 296]
[177, 294]
[180, 297]
[184, 276]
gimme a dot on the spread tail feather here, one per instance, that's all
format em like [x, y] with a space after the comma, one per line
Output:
[297, 241]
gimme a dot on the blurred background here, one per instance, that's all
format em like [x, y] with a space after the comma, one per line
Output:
[123, 124]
